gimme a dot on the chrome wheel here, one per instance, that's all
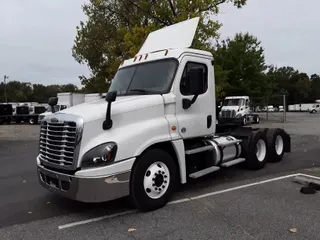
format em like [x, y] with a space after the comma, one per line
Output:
[261, 150]
[279, 145]
[156, 180]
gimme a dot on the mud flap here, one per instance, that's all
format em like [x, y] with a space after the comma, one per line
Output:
[287, 142]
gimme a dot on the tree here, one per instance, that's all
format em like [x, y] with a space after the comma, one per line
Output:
[240, 62]
[116, 29]
[315, 87]
[289, 81]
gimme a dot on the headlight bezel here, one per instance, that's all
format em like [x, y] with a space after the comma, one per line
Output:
[102, 155]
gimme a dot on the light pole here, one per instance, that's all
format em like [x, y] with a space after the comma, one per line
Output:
[5, 87]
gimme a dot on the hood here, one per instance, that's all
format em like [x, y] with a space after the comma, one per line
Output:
[95, 110]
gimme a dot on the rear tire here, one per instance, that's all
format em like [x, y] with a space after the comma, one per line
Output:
[256, 119]
[154, 179]
[257, 150]
[275, 144]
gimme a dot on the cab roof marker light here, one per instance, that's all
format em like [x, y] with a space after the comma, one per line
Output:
[135, 58]
[140, 58]
[166, 53]
[146, 56]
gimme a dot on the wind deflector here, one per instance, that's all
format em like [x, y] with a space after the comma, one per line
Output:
[179, 35]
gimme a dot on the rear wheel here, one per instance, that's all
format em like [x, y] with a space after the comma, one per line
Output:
[154, 180]
[256, 119]
[257, 150]
[275, 144]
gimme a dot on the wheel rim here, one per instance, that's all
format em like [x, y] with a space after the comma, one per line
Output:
[258, 119]
[156, 180]
[31, 121]
[279, 145]
[244, 121]
[261, 150]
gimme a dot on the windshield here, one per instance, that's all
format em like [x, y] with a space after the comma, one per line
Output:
[147, 78]
[233, 102]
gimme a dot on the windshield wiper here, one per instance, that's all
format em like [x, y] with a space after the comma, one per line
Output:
[139, 90]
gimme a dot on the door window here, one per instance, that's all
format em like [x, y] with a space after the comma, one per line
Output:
[184, 88]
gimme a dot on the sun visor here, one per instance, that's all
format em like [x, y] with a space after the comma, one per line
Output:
[179, 35]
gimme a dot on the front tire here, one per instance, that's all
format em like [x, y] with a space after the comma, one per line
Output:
[154, 179]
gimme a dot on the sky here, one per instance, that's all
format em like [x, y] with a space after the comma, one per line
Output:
[36, 36]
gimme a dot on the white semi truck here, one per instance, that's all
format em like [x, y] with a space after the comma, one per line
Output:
[236, 109]
[154, 130]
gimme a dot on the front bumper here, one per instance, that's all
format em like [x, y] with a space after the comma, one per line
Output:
[85, 189]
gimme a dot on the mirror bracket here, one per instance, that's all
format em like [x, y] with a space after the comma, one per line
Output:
[186, 103]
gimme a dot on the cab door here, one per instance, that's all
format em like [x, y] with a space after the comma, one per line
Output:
[198, 119]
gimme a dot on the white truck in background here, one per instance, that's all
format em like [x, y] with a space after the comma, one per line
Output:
[65, 100]
[89, 97]
[154, 130]
[236, 109]
[315, 107]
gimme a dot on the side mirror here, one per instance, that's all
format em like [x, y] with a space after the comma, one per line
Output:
[195, 85]
[107, 123]
[53, 101]
[195, 81]
[111, 96]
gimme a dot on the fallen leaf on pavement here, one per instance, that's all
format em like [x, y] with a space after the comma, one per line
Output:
[132, 230]
[293, 230]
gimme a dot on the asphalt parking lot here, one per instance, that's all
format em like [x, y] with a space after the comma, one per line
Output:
[230, 204]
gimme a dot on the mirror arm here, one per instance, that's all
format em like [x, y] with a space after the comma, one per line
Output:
[186, 103]
[107, 124]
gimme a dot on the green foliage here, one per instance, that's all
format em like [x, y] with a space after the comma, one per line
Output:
[27, 92]
[116, 29]
[240, 63]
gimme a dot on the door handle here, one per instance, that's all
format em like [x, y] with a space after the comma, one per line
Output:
[209, 121]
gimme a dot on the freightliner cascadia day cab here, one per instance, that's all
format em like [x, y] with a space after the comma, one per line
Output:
[154, 130]
[236, 109]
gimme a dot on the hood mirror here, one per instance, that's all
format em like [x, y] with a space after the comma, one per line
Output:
[53, 101]
[110, 98]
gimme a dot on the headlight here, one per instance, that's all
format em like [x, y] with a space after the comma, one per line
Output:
[101, 155]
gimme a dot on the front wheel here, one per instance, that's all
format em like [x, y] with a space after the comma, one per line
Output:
[154, 179]
[244, 120]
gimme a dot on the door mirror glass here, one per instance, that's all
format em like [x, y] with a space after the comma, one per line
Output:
[111, 96]
[53, 101]
[195, 81]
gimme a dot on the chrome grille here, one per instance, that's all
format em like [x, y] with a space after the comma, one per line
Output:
[228, 113]
[58, 142]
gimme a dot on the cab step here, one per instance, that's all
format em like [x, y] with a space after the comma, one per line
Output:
[198, 150]
[204, 172]
[232, 162]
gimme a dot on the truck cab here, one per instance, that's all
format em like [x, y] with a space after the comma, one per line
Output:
[154, 130]
[237, 109]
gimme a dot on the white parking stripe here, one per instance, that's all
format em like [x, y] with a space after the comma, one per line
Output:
[310, 176]
[69, 225]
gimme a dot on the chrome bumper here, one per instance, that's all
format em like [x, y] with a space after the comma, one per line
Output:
[85, 189]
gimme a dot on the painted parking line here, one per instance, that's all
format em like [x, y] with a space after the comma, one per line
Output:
[69, 225]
